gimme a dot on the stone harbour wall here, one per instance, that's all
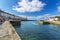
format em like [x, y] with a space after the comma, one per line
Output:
[55, 22]
[7, 32]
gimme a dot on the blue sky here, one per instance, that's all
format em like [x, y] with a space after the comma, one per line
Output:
[33, 9]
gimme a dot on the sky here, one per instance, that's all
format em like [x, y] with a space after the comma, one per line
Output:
[32, 9]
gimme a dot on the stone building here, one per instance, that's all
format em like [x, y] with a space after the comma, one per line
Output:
[8, 16]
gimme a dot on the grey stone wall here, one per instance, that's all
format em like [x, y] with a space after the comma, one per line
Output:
[7, 32]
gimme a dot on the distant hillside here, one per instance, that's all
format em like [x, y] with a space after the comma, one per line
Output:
[58, 17]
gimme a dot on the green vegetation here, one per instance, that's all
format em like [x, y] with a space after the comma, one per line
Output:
[58, 17]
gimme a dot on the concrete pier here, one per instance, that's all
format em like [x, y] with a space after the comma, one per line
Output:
[44, 22]
[54, 22]
[50, 22]
[7, 32]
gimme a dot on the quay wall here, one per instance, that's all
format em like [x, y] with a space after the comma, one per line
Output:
[54, 22]
[7, 32]
[49, 22]
[15, 23]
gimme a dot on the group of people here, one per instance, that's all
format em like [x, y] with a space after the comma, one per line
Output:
[1, 20]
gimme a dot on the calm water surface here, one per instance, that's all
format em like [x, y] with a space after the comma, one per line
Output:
[31, 30]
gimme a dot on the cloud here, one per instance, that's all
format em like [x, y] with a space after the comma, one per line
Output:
[46, 16]
[58, 8]
[29, 6]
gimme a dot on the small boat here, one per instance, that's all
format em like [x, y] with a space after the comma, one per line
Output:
[34, 23]
[41, 22]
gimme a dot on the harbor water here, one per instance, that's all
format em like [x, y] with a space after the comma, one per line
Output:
[31, 30]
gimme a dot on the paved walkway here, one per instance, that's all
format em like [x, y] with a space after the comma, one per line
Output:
[7, 32]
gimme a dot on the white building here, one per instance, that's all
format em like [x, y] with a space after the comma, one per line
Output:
[52, 19]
